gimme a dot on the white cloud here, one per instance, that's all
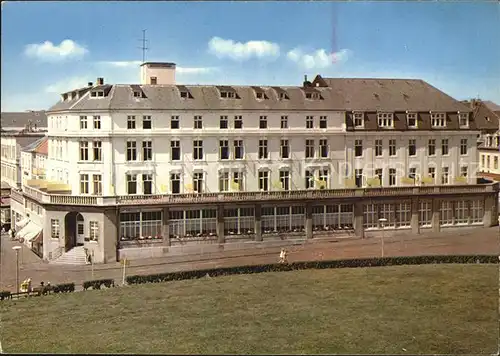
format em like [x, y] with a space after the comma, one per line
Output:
[195, 70]
[47, 51]
[122, 64]
[223, 48]
[319, 59]
[67, 85]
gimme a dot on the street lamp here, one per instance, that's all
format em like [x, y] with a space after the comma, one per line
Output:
[382, 222]
[17, 248]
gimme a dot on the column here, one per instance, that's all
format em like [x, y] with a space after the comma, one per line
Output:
[220, 224]
[165, 227]
[359, 229]
[309, 221]
[436, 213]
[257, 222]
[110, 235]
[415, 216]
[490, 217]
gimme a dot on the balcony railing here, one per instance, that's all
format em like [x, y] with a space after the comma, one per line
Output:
[17, 196]
[207, 198]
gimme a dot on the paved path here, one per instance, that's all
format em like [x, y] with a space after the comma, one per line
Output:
[461, 241]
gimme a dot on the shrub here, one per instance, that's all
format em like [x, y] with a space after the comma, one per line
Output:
[64, 288]
[351, 263]
[5, 294]
[98, 283]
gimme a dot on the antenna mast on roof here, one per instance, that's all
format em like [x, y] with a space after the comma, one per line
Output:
[144, 48]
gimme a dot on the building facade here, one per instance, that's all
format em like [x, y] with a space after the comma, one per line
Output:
[138, 170]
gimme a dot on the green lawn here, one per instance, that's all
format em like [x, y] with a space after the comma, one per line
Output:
[449, 309]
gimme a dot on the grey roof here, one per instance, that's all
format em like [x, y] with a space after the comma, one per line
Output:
[485, 118]
[336, 94]
[491, 105]
[30, 147]
[11, 120]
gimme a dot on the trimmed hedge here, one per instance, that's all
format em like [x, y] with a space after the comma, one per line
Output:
[294, 266]
[64, 288]
[5, 294]
[98, 283]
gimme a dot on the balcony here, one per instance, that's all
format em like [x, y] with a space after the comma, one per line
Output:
[247, 197]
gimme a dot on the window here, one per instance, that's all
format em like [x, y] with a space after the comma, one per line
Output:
[83, 122]
[283, 96]
[97, 122]
[131, 151]
[358, 120]
[461, 216]
[263, 153]
[309, 122]
[174, 122]
[284, 122]
[445, 173]
[185, 95]
[54, 228]
[94, 231]
[147, 150]
[425, 214]
[385, 120]
[488, 161]
[464, 171]
[223, 122]
[223, 149]
[153, 80]
[378, 174]
[444, 146]
[378, 148]
[263, 122]
[392, 147]
[84, 151]
[175, 183]
[392, 176]
[403, 215]
[147, 184]
[323, 178]
[237, 184]
[285, 180]
[463, 119]
[323, 148]
[309, 149]
[495, 162]
[358, 177]
[358, 148]
[238, 122]
[431, 147]
[259, 95]
[477, 211]
[137, 94]
[175, 150]
[431, 172]
[412, 120]
[197, 149]
[131, 183]
[84, 184]
[131, 122]
[446, 213]
[198, 182]
[284, 149]
[309, 180]
[482, 161]
[223, 181]
[463, 146]
[264, 180]
[198, 122]
[312, 96]
[438, 120]
[147, 123]
[412, 174]
[323, 122]
[97, 150]
[238, 149]
[97, 184]
[412, 147]
[370, 216]
[227, 94]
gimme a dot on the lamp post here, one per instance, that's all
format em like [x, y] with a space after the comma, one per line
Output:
[382, 222]
[17, 248]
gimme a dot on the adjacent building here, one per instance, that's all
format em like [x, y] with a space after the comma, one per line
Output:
[141, 170]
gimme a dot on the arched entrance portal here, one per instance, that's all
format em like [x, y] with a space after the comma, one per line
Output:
[74, 228]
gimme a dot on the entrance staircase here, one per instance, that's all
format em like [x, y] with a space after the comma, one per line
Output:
[75, 256]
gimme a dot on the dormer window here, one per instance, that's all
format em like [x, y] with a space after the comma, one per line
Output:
[313, 96]
[463, 119]
[100, 93]
[137, 94]
[438, 120]
[73, 95]
[411, 119]
[385, 120]
[283, 96]
[259, 95]
[65, 97]
[359, 119]
[227, 94]
[184, 94]
[97, 93]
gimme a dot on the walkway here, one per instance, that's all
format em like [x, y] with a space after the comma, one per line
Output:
[458, 241]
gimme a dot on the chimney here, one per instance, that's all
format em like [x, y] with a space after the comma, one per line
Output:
[90, 84]
[100, 81]
[306, 82]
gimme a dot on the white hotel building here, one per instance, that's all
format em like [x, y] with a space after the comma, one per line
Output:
[144, 170]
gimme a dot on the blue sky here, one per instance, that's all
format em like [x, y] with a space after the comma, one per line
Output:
[55, 46]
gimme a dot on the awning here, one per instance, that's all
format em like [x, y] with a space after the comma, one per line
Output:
[38, 238]
[21, 224]
[29, 232]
